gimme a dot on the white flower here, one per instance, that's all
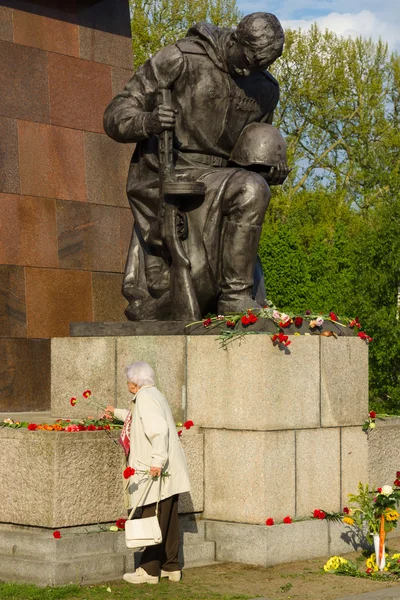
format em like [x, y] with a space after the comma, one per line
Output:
[284, 318]
[387, 490]
[319, 321]
[9, 421]
[114, 528]
[372, 425]
[276, 314]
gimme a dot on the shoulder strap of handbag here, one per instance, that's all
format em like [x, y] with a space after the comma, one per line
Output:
[147, 487]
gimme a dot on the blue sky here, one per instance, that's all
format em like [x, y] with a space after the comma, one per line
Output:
[370, 18]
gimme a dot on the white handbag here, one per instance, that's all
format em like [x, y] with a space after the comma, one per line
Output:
[143, 532]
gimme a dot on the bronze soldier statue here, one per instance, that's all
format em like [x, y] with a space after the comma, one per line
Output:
[223, 154]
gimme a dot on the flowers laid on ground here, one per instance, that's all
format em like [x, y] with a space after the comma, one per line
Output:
[187, 425]
[57, 535]
[270, 521]
[239, 324]
[371, 511]
[365, 568]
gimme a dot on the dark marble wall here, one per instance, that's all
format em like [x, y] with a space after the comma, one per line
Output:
[65, 222]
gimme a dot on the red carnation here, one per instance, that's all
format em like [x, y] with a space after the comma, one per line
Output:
[287, 520]
[274, 337]
[106, 427]
[91, 427]
[100, 428]
[180, 432]
[230, 323]
[57, 535]
[319, 514]
[269, 522]
[397, 482]
[81, 428]
[287, 343]
[298, 321]
[73, 401]
[245, 320]
[346, 510]
[369, 571]
[372, 414]
[379, 490]
[333, 317]
[120, 523]
[129, 472]
[253, 318]
[207, 322]
[32, 426]
[87, 393]
[286, 323]
[188, 424]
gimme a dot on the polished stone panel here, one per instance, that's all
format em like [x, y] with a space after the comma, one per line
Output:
[80, 91]
[108, 301]
[52, 35]
[54, 298]
[52, 161]
[88, 236]
[108, 48]
[12, 302]
[119, 78]
[23, 83]
[6, 26]
[281, 386]
[24, 375]
[126, 229]
[317, 470]
[107, 164]
[344, 381]
[28, 231]
[9, 159]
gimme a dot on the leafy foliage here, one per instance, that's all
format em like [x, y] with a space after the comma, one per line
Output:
[331, 236]
[157, 23]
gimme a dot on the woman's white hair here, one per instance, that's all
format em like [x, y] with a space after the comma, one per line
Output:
[140, 373]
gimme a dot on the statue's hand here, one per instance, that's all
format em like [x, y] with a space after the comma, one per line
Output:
[278, 174]
[162, 118]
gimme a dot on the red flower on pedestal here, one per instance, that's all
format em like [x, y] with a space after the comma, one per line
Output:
[319, 514]
[333, 317]
[252, 318]
[379, 490]
[188, 424]
[87, 393]
[230, 323]
[32, 426]
[120, 523]
[269, 522]
[207, 322]
[129, 472]
[372, 414]
[57, 535]
[346, 510]
[298, 321]
[91, 427]
[287, 520]
[180, 432]
[397, 482]
[73, 401]
[286, 323]
[245, 320]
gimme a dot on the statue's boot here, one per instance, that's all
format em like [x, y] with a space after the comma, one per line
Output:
[239, 255]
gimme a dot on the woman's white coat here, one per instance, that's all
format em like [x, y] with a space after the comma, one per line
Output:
[154, 443]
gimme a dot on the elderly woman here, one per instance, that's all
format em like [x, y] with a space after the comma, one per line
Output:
[154, 448]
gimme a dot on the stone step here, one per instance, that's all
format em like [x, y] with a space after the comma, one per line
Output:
[199, 554]
[32, 417]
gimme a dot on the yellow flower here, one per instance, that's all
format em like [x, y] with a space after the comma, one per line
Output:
[391, 515]
[348, 520]
[372, 426]
[395, 557]
[334, 563]
[371, 562]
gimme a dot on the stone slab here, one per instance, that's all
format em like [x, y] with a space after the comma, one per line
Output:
[383, 462]
[6, 24]
[53, 35]
[193, 445]
[54, 298]
[317, 470]
[344, 381]
[103, 47]
[12, 302]
[78, 364]
[268, 546]
[249, 475]
[354, 460]
[9, 164]
[167, 357]
[59, 479]
[280, 386]
[108, 301]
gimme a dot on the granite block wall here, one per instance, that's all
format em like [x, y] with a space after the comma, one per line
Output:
[66, 224]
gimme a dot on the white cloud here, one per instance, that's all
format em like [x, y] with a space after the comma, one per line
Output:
[364, 23]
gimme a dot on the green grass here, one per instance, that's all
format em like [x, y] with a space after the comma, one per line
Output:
[119, 591]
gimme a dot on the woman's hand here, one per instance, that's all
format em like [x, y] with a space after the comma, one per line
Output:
[108, 413]
[155, 471]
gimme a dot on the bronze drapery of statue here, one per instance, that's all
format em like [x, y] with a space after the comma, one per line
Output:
[200, 112]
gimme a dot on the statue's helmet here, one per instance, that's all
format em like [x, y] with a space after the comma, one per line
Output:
[259, 144]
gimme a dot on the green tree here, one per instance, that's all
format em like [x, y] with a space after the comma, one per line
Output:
[157, 23]
[331, 237]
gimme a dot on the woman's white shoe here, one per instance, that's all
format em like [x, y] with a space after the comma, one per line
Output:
[172, 575]
[140, 576]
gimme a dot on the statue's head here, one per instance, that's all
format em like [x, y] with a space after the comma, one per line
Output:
[255, 45]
